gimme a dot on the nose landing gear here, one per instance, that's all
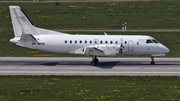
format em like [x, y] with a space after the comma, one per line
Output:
[152, 62]
[94, 61]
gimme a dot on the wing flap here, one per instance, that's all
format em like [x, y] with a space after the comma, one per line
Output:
[94, 51]
[102, 50]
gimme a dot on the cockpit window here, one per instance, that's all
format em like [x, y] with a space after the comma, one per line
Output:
[148, 41]
[155, 41]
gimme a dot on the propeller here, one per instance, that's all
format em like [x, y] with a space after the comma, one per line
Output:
[121, 47]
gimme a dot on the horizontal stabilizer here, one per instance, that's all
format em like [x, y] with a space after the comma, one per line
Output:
[27, 37]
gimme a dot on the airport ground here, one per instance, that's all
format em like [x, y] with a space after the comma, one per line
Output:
[70, 66]
[74, 0]
[157, 82]
[85, 88]
[163, 15]
[159, 19]
[95, 18]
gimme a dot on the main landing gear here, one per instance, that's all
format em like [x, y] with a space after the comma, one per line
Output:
[94, 61]
[152, 62]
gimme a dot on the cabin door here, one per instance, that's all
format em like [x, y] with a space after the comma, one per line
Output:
[96, 42]
[130, 46]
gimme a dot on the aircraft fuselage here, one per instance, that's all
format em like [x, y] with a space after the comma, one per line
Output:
[75, 44]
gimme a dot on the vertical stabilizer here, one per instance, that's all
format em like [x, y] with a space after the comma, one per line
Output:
[21, 24]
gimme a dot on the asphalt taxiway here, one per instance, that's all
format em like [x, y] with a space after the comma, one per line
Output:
[81, 66]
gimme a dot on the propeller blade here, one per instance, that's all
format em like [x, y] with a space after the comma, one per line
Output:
[121, 51]
[121, 47]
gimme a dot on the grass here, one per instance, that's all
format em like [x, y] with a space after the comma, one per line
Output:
[138, 15]
[78, 88]
[163, 14]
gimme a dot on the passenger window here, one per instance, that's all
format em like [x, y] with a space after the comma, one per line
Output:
[137, 43]
[80, 41]
[70, 41]
[101, 42]
[111, 42]
[116, 42]
[85, 42]
[106, 42]
[75, 41]
[125, 42]
[149, 41]
[90, 42]
[65, 41]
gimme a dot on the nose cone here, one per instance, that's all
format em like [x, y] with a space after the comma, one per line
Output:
[164, 49]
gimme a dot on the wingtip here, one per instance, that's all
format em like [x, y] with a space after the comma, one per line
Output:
[14, 7]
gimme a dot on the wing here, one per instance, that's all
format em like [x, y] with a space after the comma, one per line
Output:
[88, 51]
[102, 50]
[94, 51]
[98, 50]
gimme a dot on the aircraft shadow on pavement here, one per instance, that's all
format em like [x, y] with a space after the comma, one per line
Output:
[110, 65]
[107, 65]
[65, 63]
[103, 65]
[50, 64]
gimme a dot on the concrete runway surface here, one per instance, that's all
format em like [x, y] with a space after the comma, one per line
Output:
[81, 66]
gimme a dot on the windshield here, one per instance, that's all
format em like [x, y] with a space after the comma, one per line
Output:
[148, 41]
[151, 41]
[155, 41]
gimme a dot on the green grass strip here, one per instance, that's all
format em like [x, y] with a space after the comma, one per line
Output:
[78, 88]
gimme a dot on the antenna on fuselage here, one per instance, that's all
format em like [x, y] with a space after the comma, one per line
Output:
[105, 33]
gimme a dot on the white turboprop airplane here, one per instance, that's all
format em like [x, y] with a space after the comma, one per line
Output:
[27, 35]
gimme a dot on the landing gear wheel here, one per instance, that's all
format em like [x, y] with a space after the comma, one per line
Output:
[152, 62]
[94, 61]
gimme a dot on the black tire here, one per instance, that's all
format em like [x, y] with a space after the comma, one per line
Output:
[96, 61]
[93, 63]
[152, 62]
